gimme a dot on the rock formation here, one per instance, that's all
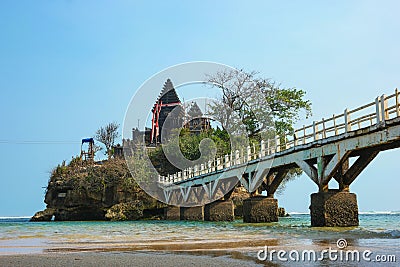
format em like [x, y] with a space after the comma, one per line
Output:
[90, 192]
[104, 191]
[282, 212]
[125, 211]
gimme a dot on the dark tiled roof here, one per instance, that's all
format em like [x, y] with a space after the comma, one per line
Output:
[195, 111]
[168, 94]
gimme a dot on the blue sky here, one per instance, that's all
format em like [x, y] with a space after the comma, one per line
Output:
[68, 67]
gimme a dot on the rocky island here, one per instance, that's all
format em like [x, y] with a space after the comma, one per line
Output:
[103, 191]
[85, 189]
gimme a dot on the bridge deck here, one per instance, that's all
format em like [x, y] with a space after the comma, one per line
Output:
[361, 132]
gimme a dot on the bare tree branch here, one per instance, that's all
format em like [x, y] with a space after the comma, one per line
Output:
[107, 135]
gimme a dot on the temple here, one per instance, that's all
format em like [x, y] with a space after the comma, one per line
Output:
[195, 121]
[168, 101]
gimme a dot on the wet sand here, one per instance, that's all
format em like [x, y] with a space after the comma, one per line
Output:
[120, 259]
[190, 253]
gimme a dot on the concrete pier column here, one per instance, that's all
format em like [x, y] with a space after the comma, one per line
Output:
[192, 213]
[334, 208]
[260, 209]
[220, 210]
[172, 213]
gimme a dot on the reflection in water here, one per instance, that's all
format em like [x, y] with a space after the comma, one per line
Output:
[377, 232]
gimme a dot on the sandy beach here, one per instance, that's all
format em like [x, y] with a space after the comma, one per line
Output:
[120, 259]
[185, 243]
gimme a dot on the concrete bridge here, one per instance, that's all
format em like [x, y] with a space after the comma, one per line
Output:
[323, 150]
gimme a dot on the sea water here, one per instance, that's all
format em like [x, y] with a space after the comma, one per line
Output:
[378, 232]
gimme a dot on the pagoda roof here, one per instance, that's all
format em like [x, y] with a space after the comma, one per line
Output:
[194, 110]
[168, 94]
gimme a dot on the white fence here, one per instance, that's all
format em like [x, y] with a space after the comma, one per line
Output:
[374, 113]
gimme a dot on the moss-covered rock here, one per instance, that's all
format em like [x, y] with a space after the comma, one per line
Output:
[87, 191]
[125, 211]
[43, 216]
[282, 212]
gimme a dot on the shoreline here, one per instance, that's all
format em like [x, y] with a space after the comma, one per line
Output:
[236, 253]
[130, 258]
[24, 243]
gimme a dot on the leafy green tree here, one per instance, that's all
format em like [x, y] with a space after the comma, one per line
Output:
[192, 147]
[286, 105]
[278, 107]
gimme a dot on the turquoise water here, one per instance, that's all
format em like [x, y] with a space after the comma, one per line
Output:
[379, 232]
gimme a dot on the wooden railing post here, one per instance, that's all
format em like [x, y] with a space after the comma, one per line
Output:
[397, 103]
[323, 128]
[295, 141]
[315, 130]
[277, 144]
[262, 149]
[378, 111]
[385, 113]
[237, 156]
[284, 142]
[304, 134]
[334, 124]
[347, 124]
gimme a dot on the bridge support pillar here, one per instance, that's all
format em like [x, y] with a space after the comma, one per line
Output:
[334, 208]
[220, 210]
[260, 209]
[192, 213]
[172, 213]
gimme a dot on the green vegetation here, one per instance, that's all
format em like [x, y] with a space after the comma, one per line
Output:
[189, 145]
[258, 103]
[262, 105]
[275, 113]
[94, 178]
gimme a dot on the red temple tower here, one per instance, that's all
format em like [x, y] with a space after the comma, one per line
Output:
[167, 101]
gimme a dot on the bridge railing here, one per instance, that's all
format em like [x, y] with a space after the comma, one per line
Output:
[374, 113]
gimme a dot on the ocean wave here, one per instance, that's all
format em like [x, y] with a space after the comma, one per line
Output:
[361, 212]
[373, 233]
[298, 213]
[15, 217]
[393, 233]
[379, 212]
